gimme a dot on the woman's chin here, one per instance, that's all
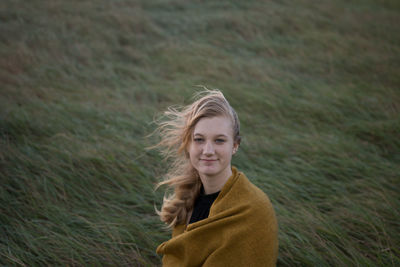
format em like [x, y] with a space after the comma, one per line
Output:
[208, 171]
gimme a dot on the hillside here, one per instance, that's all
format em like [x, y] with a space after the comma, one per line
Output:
[316, 87]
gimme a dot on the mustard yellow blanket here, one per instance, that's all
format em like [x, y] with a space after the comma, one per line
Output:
[241, 230]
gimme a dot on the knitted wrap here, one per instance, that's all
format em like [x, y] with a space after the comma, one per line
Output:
[241, 230]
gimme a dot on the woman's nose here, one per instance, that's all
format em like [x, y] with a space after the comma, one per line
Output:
[208, 149]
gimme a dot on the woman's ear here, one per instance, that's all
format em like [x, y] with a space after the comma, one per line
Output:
[235, 148]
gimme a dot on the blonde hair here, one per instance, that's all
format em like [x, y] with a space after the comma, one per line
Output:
[176, 129]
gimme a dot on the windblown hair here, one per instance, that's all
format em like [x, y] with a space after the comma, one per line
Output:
[176, 130]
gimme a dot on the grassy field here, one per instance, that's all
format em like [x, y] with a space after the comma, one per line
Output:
[316, 85]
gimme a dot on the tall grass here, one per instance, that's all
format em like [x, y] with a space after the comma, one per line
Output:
[316, 86]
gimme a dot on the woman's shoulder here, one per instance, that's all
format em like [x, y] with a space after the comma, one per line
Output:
[259, 210]
[240, 192]
[250, 190]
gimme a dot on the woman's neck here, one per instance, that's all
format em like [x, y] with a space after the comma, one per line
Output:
[214, 183]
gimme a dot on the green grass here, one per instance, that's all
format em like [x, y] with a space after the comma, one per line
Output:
[316, 86]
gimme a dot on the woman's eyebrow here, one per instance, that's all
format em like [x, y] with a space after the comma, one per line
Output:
[218, 135]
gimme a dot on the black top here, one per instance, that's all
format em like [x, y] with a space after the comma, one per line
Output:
[202, 206]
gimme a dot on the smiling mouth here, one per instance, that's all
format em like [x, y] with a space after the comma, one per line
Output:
[208, 160]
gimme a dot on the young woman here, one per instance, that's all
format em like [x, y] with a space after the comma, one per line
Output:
[219, 218]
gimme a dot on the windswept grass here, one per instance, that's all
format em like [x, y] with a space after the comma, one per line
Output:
[316, 86]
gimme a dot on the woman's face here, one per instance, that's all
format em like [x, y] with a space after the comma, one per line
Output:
[212, 146]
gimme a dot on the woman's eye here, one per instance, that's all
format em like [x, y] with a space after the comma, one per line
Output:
[220, 141]
[198, 140]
